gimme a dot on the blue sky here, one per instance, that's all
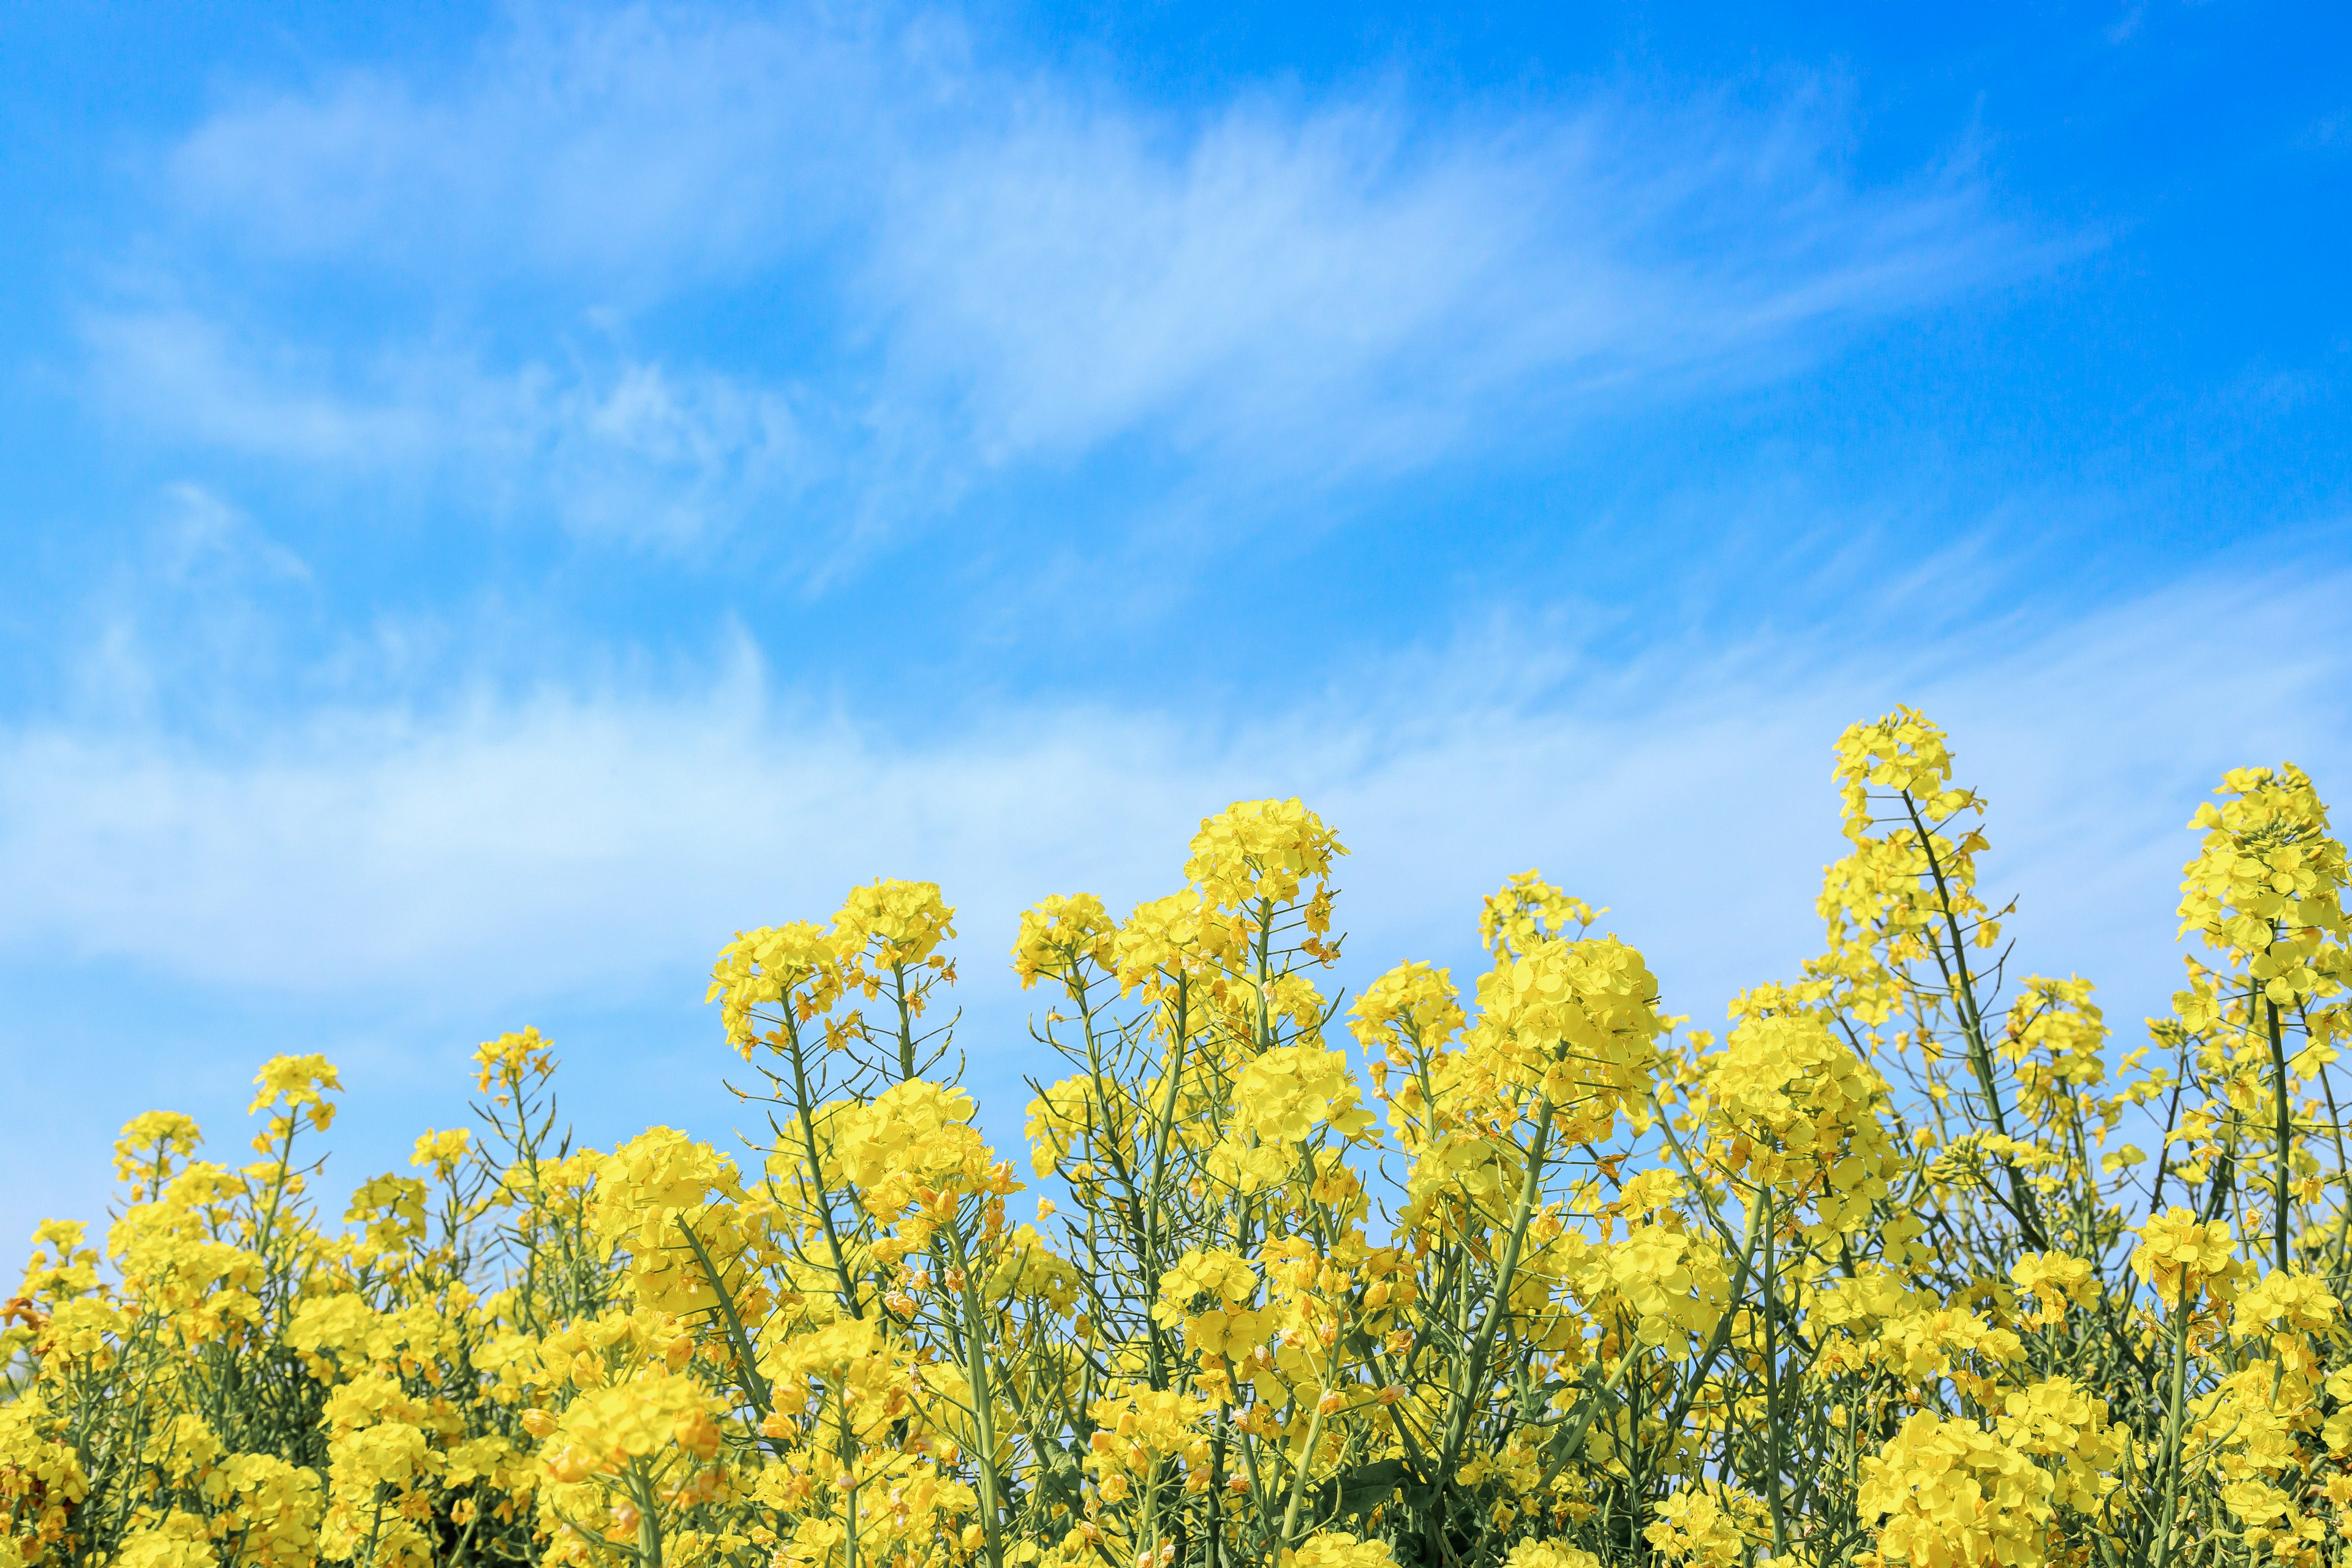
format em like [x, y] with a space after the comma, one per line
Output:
[497, 498]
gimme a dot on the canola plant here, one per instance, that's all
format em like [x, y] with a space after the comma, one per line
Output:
[1907, 1265]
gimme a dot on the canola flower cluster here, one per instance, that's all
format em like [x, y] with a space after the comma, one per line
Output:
[1906, 1267]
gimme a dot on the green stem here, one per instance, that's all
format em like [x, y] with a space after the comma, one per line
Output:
[1298, 1480]
[1457, 1428]
[983, 1404]
[1772, 1388]
[1972, 1029]
[649, 1534]
[2285, 1130]
[2172, 1419]
[755, 1386]
[819, 1198]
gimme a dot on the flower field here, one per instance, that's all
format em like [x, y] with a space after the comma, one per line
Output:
[1907, 1263]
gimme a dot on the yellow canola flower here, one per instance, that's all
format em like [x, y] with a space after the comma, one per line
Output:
[2057, 1422]
[292, 1082]
[444, 1152]
[1030, 1269]
[1789, 1105]
[2182, 1258]
[651, 1193]
[1903, 752]
[274, 1509]
[1924, 1348]
[1061, 936]
[1949, 1494]
[1528, 911]
[392, 1208]
[890, 924]
[762, 968]
[179, 1541]
[1337, 1549]
[2266, 888]
[1705, 1526]
[1291, 1091]
[1670, 1285]
[1181, 935]
[1550, 1555]
[916, 1135]
[1883, 904]
[1412, 1000]
[2285, 1303]
[150, 1143]
[1577, 1018]
[2055, 1279]
[1260, 850]
[502, 1066]
[2055, 1042]
[1137, 1425]
[605, 1430]
[1209, 1293]
[40, 1471]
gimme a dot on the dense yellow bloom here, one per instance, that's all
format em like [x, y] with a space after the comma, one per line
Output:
[2182, 1258]
[1337, 1549]
[2286, 1303]
[606, 1428]
[1528, 911]
[2055, 1279]
[2266, 888]
[1209, 1295]
[1412, 1000]
[1669, 1285]
[1703, 1525]
[762, 968]
[1951, 1495]
[1550, 1555]
[1291, 1091]
[892, 924]
[1867, 1278]
[1061, 936]
[913, 1135]
[1259, 849]
[1575, 1018]
[1791, 1107]
[1178, 936]
[178, 1541]
[2059, 1424]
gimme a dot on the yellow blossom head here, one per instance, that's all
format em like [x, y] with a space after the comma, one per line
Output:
[890, 924]
[794, 967]
[1061, 936]
[1256, 851]
[501, 1067]
[151, 1144]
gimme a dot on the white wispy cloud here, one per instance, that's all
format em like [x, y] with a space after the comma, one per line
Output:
[1355, 289]
[620, 448]
[631, 149]
[965, 266]
[572, 844]
[467, 868]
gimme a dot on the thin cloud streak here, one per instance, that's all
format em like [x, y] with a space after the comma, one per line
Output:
[380, 881]
[969, 270]
[587, 843]
[624, 449]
